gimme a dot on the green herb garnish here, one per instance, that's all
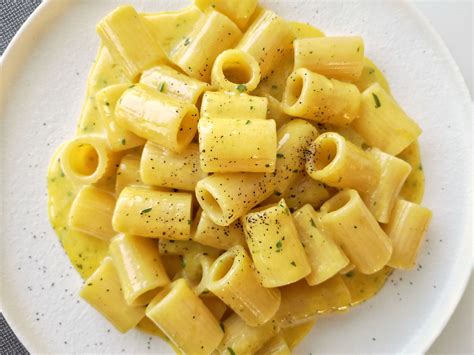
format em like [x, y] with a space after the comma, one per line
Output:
[280, 155]
[187, 42]
[241, 88]
[312, 222]
[162, 87]
[377, 101]
[231, 351]
[146, 210]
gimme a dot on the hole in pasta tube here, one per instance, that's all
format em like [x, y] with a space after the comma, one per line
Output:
[212, 206]
[145, 297]
[337, 202]
[221, 267]
[237, 72]
[325, 151]
[187, 129]
[83, 159]
[294, 89]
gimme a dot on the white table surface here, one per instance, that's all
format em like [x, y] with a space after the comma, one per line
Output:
[453, 21]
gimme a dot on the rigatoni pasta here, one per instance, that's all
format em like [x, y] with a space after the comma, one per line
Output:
[155, 116]
[221, 149]
[229, 183]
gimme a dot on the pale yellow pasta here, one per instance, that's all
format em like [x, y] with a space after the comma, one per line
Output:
[341, 58]
[324, 256]
[382, 122]
[91, 213]
[119, 138]
[128, 173]
[235, 70]
[347, 269]
[274, 244]
[220, 237]
[371, 75]
[129, 41]
[102, 291]
[267, 40]
[88, 160]
[182, 22]
[275, 346]
[173, 83]
[233, 279]
[184, 247]
[349, 222]
[301, 303]
[216, 193]
[406, 229]
[238, 11]
[305, 190]
[337, 162]
[314, 97]
[162, 119]
[222, 151]
[381, 198]
[218, 104]
[275, 111]
[215, 305]
[240, 338]
[139, 268]
[162, 167]
[193, 329]
[154, 214]
[212, 34]
[304, 30]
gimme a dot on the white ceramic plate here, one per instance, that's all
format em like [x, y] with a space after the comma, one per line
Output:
[43, 78]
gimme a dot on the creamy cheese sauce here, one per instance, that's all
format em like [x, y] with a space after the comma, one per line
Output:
[86, 252]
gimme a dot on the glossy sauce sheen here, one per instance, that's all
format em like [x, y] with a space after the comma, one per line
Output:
[86, 252]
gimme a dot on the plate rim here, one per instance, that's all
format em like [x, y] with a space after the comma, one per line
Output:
[418, 344]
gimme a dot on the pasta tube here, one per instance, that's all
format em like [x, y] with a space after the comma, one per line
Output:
[350, 223]
[407, 227]
[233, 280]
[91, 213]
[301, 303]
[154, 214]
[238, 11]
[162, 167]
[102, 291]
[294, 335]
[275, 346]
[337, 162]
[157, 117]
[128, 173]
[227, 197]
[185, 247]
[267, 40]
[273, 241]
[88, 160]
[383, 123]
[235, 70]
[240, 338]
[128, 40]
[304, 190]
[118, 138]
[221, 148]
[173, 83]
[194, 319]
[212, 34]
[393, 174]
[233, 106]
[220, 237]
[275, 111]
[314, 97]
[324, 255]
[341, 58]
[139, 268]
[215, 305]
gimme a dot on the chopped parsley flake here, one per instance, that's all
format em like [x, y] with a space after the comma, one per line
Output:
[241, 88]
[231, 351]
[248, 122]
[187, 42]
[162, 87]
[312, 222]
[124, 141]
[280, 155]
[146, 210]
[377, 101]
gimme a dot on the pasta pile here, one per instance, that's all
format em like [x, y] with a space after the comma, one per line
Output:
[234, 175]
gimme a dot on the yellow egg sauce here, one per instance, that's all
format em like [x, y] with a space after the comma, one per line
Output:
[86, 252]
